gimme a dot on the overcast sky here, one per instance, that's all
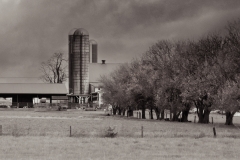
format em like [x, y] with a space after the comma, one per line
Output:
[32, 30]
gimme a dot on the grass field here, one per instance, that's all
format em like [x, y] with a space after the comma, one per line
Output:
[46, 135]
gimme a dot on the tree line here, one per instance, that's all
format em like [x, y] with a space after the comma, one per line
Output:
[180, 75]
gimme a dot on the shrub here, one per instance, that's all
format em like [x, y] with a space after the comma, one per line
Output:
[110, 132]
[201, 135]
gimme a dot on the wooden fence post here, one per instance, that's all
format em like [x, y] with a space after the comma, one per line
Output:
[142, 131]
[214, 132]
[0, 130]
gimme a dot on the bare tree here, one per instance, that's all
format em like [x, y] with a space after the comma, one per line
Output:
[54, 70]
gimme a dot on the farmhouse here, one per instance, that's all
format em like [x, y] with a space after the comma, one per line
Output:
[96, 70]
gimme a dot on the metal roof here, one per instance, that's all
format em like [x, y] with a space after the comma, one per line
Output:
[32, 88]
[96, 70]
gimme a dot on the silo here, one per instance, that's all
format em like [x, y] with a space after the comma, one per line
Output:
[79, 62]
[93, 51]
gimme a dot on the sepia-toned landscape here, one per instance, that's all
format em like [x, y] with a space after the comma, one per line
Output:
[119, 79]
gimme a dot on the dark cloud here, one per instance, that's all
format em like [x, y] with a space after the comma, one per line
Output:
[31, 31]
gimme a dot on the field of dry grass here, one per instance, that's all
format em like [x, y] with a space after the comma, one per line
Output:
[118, 148]
[45, 135]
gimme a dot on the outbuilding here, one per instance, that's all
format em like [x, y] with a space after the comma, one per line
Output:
[23, 94]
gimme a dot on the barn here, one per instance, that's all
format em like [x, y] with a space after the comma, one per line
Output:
[23, 94]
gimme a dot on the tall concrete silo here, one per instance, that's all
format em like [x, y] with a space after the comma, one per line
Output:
[93, 51]
[79, 63]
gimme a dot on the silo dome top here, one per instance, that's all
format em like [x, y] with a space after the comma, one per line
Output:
[79, 31]
[93, 41]
[72, 31]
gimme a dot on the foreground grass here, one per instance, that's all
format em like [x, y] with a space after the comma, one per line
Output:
[118, 148]
[45, 135]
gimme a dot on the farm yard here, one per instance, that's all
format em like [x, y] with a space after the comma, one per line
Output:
[27, 134]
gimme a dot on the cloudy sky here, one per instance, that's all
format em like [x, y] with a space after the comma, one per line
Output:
[32, 30]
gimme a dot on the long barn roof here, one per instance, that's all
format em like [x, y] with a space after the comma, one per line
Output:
[32, 88]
